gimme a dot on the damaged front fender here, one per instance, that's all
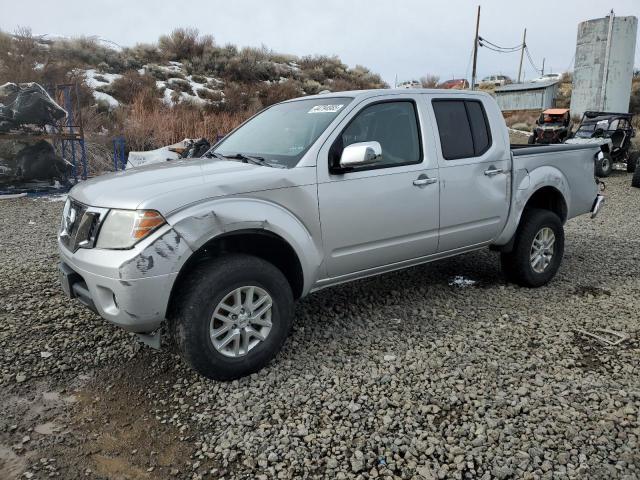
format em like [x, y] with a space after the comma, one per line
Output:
[162, 256]
[201, 223]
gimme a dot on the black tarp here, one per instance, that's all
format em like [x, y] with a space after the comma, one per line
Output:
[20, 163]
[27, 104]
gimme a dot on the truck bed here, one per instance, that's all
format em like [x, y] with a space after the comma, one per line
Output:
[533, 164]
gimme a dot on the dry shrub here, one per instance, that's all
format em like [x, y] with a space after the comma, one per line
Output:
[199, 79]
[524, 120]
[430, 81]
[180, 85]
[211, 95]
[278, 92]
[131, 86]
[18, 55]
[237, 97]
[148, 128]
[338, 85]
[634, 101]
[567, 77]
[184, 43]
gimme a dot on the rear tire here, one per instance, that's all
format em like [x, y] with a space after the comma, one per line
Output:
[635, 180]
[604, 166]
[210, 294]
[632, 161]
[537, 250]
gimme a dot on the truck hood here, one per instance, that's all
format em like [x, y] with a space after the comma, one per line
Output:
[182, 182]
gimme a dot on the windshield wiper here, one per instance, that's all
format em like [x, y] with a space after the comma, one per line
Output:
[252, 159]
[212, 154]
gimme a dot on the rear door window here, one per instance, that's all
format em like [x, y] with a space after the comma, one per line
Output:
[463, 128]
[454, 129]
[479, 128]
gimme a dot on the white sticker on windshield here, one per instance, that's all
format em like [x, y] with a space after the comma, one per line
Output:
[326, 108]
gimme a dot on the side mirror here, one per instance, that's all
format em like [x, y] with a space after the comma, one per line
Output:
[360, 154]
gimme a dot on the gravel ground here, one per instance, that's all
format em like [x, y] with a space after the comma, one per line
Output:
[441, 371]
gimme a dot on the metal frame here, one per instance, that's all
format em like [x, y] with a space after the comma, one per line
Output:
[119, 154]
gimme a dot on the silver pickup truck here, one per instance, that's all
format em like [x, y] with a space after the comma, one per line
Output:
[307, 194]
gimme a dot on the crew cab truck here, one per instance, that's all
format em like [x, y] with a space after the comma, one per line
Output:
[307, 194]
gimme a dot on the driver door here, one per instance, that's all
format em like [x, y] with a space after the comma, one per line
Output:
[387, 212]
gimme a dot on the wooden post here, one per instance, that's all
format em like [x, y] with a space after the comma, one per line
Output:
[475, 52]
[524, 44]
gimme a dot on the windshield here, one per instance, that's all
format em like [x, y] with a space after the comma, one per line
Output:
[587, 130]
[282, 134]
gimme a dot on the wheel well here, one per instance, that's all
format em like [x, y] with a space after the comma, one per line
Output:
[549, 198]
[260, 243]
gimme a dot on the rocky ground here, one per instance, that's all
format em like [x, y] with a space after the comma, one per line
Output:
[441, 371]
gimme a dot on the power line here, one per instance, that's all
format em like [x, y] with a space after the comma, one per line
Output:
[498, 47]
[530, 58]
[496, 50]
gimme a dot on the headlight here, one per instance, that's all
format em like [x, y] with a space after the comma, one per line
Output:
[124, 228]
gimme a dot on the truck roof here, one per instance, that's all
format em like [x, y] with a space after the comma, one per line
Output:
[363, 94]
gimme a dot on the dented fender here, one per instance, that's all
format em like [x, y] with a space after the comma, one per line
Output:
[160, 257]
[203, 222]
[526, 184]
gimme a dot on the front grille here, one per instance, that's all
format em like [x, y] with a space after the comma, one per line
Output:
[80, 225]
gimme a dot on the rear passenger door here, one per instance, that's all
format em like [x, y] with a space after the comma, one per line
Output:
[474, 173]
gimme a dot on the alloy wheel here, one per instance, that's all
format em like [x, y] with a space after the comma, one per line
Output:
[241, 321]
[542, 249]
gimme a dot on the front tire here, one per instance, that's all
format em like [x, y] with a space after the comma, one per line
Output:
[537, 251]
[233, 316]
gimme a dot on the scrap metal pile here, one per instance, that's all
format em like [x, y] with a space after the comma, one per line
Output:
[26, 109]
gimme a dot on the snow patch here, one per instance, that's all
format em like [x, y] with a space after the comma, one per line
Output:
[102, 79]
[105, 97]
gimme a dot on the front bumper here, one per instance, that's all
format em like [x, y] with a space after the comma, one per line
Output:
[129, 288]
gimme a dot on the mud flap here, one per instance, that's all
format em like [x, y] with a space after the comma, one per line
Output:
[151, 339]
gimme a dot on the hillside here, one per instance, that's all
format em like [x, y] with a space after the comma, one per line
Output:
[184, 85]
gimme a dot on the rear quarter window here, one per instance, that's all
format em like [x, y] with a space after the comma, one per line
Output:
[463, 128]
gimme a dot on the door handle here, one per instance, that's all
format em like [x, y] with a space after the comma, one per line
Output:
[493, 171]
[421, 181]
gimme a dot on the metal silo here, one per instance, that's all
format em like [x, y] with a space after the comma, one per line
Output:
[603, 69]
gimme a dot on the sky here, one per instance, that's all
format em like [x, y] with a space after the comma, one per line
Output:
[403, 39]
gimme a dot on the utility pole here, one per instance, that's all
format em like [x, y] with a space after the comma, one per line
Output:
[524, 45]
[475, 52]
[543, 67]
